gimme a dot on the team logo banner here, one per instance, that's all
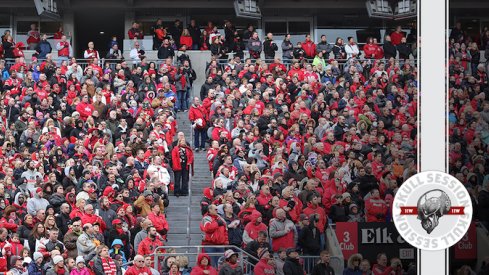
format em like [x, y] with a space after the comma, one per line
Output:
[432, 210]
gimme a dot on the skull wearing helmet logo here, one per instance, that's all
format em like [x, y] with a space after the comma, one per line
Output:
[431, 206]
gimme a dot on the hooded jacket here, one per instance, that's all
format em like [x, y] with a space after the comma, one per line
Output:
[214, 234]
[36, 203]
[263, 268]
[120, 251]
[252, 229]
[199, 268]
[280, 237]
[318, 211]
[293, 267]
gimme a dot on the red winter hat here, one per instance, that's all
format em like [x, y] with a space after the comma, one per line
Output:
[116, 221]
[39, 189]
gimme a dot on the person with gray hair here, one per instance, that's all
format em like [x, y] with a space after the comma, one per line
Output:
[483, 203]
[139, 266]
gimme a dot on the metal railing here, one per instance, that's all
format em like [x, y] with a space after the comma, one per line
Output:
[245, 260]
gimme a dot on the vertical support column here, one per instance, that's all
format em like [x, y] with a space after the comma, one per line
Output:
[433, 100]
[69, 28]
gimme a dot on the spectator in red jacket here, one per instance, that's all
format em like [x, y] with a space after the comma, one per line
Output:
[186, 39]
[372, 49]
[203, 266]
[266, 264]
[150, 243]
[138, 267]
[85, 108]
[396, 36]
[183, 165]
[158, 219]
[282, 231]
[135, 32]
[309, 47]
[215, 232]
[198, 117]
[381, 268]
[375, 207]
[253, 227]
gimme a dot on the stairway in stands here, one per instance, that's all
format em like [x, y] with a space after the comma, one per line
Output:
[178, 212]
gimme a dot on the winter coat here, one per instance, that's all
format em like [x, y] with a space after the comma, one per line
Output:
[148, 246]
[263, 268]
[318, 211]
[176, 163]
[34, 269]
[227, 269]
[281, 238]
[252, 229]
[324, 47]
[322, 269]
[376, 210]
[70, 242]
[36, 203]
[85, 245]
[389, 50]
[159, 222]
[287, 49]
[235, 235]
[199, 269]
[293, 267]
[483, 205]
[269, 48]
[309, 48]
[310, 240]
[43, 48]
[215, 234]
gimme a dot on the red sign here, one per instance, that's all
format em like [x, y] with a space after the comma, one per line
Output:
[466, 248]
[413, 210]
[347, 234]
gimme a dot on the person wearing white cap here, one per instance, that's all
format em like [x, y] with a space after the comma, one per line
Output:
[229, 265]
[80, 268]
[59, 266]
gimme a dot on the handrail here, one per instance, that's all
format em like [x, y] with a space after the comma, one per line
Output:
[243, 255]
[190, 179]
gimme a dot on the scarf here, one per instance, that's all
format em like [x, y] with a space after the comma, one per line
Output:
[109, 266]
[60, 271]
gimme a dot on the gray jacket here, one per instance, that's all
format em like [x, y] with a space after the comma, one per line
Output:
[85, 245]
[226, 269]
[140, 236]
[287, 49]
[278, 228]
[254, 45]
[324, 46]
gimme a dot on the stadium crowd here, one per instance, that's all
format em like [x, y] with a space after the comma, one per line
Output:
[90, 154]
[468, 119]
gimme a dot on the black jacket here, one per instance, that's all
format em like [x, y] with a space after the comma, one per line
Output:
[404, 50]
[269, 48]
[322, 269]
[389, 50]
[165, 52]
[483, 206]
[292, 267]
[310, 240]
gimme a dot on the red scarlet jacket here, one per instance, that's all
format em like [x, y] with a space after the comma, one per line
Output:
[197, 112]
[159, 221]
[134, 270]
[175, 154]
[85, 110]
[311, 209]
[263, 268]
[199, 269]
[148, 246]
[376, 210]
[309, 48]
[215, 234]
